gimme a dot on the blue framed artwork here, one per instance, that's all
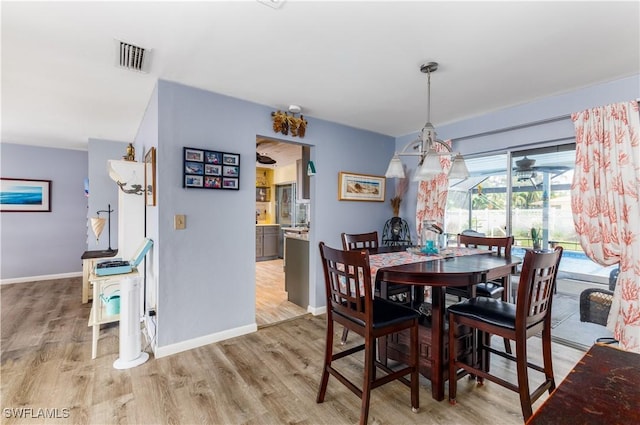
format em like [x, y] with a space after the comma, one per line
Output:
[25, 195]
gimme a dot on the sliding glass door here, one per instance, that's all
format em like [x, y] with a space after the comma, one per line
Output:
[541, 183]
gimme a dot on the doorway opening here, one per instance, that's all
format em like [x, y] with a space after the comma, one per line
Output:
[282, 212]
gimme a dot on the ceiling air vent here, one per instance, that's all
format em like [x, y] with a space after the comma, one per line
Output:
[132, 57]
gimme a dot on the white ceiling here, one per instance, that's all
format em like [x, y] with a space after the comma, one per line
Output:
[355, 63]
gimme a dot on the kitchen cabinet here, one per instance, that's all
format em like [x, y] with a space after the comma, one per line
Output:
[267, 242]
[296, 271]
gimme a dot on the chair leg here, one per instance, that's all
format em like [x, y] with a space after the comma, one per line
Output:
[345, 333]
[415, 377]
[523, 377]
[453, 382]
[328, 353]
[484, 340]
[547, 358]
[369, 376]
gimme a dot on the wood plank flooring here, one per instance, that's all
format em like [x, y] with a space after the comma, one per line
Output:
[271, 298]
[267, 377]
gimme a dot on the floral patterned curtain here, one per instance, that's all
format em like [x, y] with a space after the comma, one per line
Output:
[605, 199]
[432, 194]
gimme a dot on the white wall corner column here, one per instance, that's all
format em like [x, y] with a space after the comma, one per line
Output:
[129, 176]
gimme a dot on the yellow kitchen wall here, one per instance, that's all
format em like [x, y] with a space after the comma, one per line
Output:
[286, 174]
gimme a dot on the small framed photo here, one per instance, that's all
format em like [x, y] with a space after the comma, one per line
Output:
[231, 171]
[231, 159]
[360, 187]
[209, 169]
[193, 181]
[229, 183]
[213, 182]
[213, 157]
[193, 155]
[25, 195]
[213, 170]
[193, 167]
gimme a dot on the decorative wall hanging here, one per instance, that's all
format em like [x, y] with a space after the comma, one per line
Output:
[205, 169]
[360, 187]
[285, 123]
[150, 176]
[25, 195]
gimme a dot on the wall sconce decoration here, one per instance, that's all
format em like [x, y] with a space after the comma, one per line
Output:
[285, 123]
[311, 169]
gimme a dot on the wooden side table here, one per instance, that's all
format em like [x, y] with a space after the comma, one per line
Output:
[602, 388]
[89, 259]
[99, 316]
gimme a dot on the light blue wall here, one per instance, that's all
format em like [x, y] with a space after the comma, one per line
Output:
[42, 244]
[206, 274]
[103, 191]
[553, 133]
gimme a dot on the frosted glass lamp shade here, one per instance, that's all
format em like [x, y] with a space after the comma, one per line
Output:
[395, 168]
[430, 167]
[458, 168]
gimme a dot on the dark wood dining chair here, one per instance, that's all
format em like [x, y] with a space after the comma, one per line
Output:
[350, 302]
[529, 316]
[502, 248]
[492, 289]
[358, 241]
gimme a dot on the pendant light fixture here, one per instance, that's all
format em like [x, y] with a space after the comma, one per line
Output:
[424, 147]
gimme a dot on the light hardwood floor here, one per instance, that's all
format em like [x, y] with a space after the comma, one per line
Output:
[267, 377]
[271, 299]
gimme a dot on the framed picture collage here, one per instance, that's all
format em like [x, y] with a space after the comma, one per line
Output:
[204, 169]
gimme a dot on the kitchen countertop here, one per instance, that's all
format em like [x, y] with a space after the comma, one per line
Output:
[264, 224]
[296, 229]
[300, 236]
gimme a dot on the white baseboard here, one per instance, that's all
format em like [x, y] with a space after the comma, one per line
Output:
[42, 277]
[316, 311]
[179, 347]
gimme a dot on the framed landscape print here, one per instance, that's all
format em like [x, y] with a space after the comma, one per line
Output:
[205, 169]
[25, 195]
[360, 187]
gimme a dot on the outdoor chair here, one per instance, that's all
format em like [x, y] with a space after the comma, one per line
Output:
[595, 304]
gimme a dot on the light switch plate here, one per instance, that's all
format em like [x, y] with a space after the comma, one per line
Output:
[179, 221]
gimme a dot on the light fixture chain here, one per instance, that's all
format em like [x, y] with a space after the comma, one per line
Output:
[428, 95]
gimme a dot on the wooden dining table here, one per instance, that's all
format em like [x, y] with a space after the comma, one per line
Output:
[438, 273]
